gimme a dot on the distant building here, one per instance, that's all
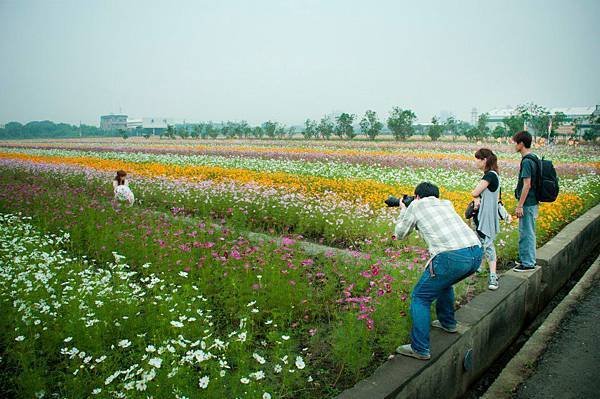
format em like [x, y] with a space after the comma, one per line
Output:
[574, 116]
[113, 122]
[133, 124]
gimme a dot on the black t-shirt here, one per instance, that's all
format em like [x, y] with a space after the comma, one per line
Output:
[492, 179]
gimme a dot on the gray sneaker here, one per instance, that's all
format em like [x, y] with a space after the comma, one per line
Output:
[493, 282]
[407, 350]
[437, 324]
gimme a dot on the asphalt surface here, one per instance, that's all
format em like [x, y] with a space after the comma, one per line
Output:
[570, 366]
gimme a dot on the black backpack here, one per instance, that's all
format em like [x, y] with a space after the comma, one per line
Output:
[546, 184]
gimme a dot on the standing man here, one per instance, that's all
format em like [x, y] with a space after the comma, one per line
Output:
[527, 207]
[455, 254]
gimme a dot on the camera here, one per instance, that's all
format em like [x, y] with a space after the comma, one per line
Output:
[394, 202]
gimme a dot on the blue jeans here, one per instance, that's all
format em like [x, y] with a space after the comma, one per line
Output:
[449, 268]
[527, 244]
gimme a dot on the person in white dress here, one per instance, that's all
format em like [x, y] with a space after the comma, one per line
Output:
[121, 188]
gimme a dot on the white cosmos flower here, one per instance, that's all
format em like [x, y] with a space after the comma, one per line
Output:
[244, 380]
[266, 395]
[20, 338]
[259, 375]
[203, 383]
[155, 361]
[300, 363]
[96, 391]
[125, 343]
[259, 358]
[285, 337]
[177, 324]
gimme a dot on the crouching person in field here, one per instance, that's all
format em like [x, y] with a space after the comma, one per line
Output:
[456, 253]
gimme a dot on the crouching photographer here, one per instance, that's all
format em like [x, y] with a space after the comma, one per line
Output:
[455, 254]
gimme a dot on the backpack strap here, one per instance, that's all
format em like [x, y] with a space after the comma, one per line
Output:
[537, 183]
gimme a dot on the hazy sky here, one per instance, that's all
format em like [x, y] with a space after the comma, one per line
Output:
[289, 60]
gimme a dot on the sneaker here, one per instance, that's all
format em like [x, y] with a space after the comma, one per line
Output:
[521, 268]
[407, 350]
[493, 282]
[437, 324]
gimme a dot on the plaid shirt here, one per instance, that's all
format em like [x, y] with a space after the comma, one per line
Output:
[438, 223]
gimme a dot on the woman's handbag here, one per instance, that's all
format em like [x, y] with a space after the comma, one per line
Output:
[470, 211]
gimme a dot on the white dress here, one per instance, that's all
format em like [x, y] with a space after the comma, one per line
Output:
[123, 192]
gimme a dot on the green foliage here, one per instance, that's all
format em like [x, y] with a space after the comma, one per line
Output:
[536, 118]
[513, 124]
[280, 130]
[310, 129]
[325, 128]
[258, 132]
[183, 133]
[482, 127]
[344, 127]
[270, 128]
[435, 130]
[210, 131]
[170, 132]
[49, 129]
[352, 344]
[400, 122]
[451, 127]
[499, 131]
[593, 133]
[370, 125]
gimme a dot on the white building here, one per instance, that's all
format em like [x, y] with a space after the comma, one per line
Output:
[573, 116]
[113, 122]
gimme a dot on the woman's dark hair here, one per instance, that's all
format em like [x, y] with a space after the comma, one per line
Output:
[427, 189]
[491, 161]
[120, 178]
[523, 137]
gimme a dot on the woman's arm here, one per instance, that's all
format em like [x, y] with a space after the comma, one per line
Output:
[483, 184]
[114, 184]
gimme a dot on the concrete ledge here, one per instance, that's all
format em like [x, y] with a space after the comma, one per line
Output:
[517, 370]
[491, 321]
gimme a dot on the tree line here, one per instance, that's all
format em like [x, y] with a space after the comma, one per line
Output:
[400, 124]
[49, 129]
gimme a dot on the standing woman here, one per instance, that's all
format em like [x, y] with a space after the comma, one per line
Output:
[121, 188]
[487, 220]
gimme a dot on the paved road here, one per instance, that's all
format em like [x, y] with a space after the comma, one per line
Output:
[570, 367]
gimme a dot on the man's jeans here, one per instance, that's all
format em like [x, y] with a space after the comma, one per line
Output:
[527, 244]
[448, 268]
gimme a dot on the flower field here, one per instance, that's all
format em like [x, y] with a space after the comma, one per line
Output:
[175, 297]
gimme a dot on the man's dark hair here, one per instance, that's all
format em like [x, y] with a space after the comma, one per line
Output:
[427, 189]
[523, 137]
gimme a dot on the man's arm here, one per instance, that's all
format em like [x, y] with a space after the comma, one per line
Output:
[406, 222]
[526, 174]
[524, 192]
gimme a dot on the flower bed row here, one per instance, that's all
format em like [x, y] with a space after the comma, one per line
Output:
[199, 310]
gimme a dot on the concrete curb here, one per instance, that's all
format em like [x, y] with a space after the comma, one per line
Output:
[519, 368]
[492, 321]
